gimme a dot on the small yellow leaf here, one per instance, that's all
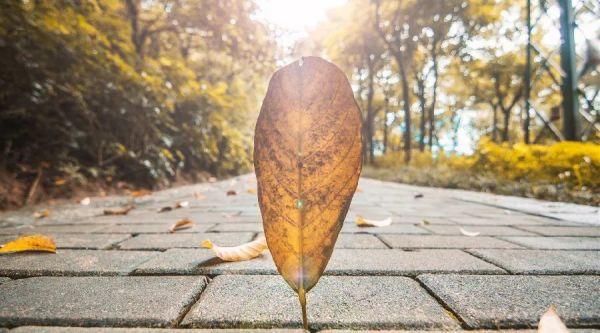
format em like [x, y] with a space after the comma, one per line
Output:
[140, 193]
[120, 211]
[30, 243]
[550, 322]
[181, 224]
[60, 182]
[242, 252]
[469, 233]
[40, 214]
[425, 222]
[362, 222]
[251, 190]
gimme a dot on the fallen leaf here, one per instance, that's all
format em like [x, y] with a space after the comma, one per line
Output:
[60, 182]
[85, 201]
[120, 211]
[251, 190]
[419, 195]
[307, 157]
[231, 192]
[199, 196]
[40, 214]
[181, 224]
[230, 215]
[182, 204]
[362, 222]
[30, 243]
[177, 205]
[140, 193]
[242, 252]
[425, 222]
[469, 233]
[550, 322]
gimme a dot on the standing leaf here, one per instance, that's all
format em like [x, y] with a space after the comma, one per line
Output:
[307, 158]
[550, 322]
[30, 243]
[242, 252]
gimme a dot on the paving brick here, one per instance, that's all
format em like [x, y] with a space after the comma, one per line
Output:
[150, 228]
[445, 242]
[80, 241]
[483, 230]
[556, 243]
[203, 261]
[184, 240]
[504, 301]
[563, 231]
[72, 262]
[237, 227]
[357, 302]
[47, 229]
[98, 301]
[359, 241]
[498, 220]
[543, 261]
[391, 229]
[399, 262]
[57, 329]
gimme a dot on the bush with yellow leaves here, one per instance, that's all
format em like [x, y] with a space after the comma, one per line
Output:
[565, 171]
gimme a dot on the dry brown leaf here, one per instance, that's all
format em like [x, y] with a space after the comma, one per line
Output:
[251, 190]
[119, 211]
[177, 205]
[550, 322]
[307, 159]
[419, 195]
[181, 224]
[85, 201]
[231, 192]
[38, 243]
[363, 222]
[40, 214]
[140, 193]
[242, 252]
[469, 233]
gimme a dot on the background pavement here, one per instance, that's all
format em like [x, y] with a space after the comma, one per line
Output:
[113, 273]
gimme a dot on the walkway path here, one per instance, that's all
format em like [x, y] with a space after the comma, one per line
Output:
[419, 273]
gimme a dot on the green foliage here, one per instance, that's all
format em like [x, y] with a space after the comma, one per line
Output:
[124, 91]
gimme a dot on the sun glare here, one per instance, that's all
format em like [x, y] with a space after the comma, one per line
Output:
[295, 17]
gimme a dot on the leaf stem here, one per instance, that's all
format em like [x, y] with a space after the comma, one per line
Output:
[302, 299]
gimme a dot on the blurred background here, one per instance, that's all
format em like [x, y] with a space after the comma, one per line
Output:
[104, 96]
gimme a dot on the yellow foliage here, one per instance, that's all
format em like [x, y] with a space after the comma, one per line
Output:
[567, 163]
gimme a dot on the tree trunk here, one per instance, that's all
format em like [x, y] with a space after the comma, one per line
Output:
[406, 107]
[506, 124]
[434, 95]
[370, 112]
[423, 106]
[495, 123]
